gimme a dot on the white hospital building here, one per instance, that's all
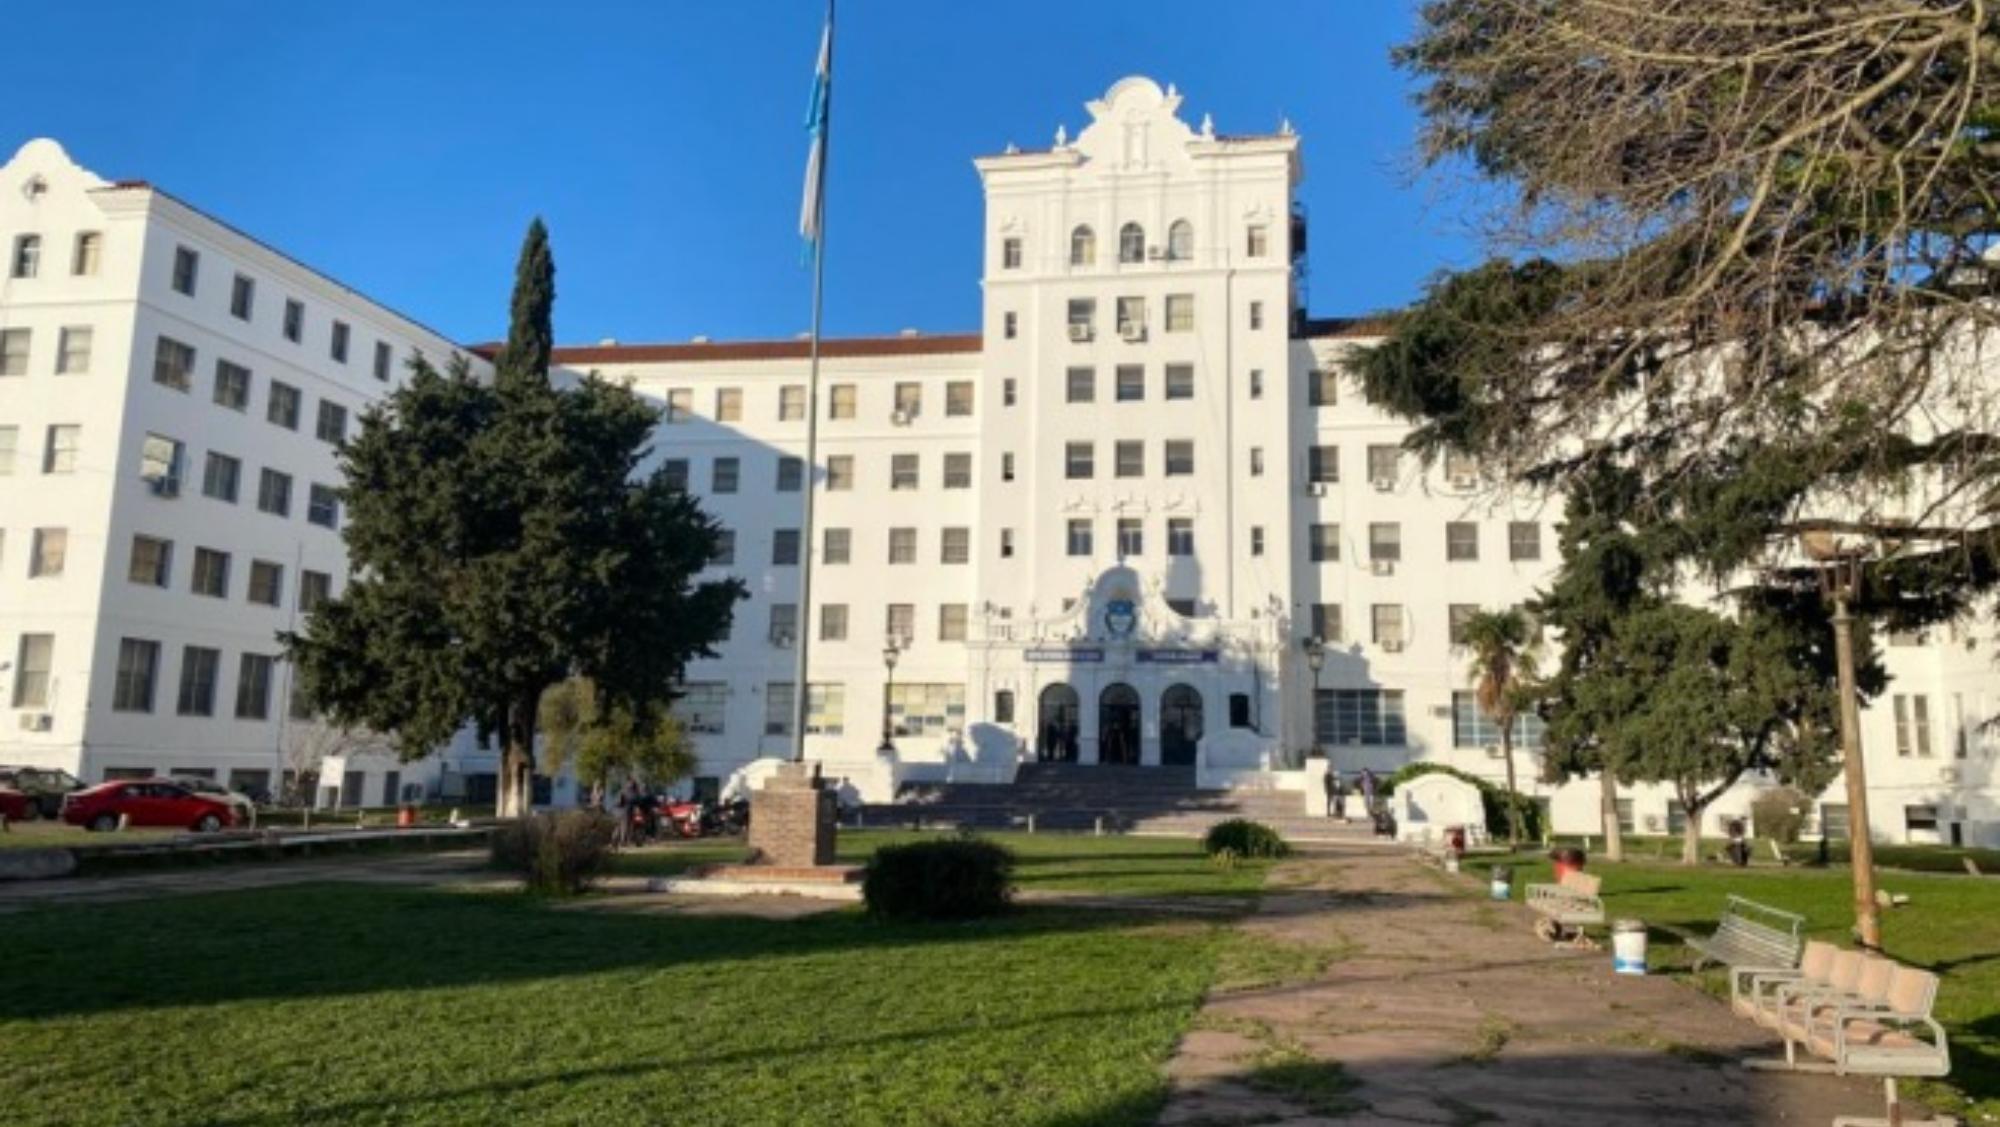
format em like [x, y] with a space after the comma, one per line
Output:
[1100, 529]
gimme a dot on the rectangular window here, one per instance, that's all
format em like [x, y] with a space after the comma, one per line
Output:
[1326, 623]
[728, 404]
[383, 359]
[1256, 383]
[1007, 392]
[211, 573]
[267, 583]
[840, 401]
[839, 473]
[173, 364]
[1180, 536]
[1080, 385]
[186, 265]
[331, 425]
[826, 709]
[921, 710]
[791, 403]
[1256, 539]
[1456, 617]
[1322, 387]
[60, 447]
[323, 505]
[1128, 458]
[1003, 706]
[220, 477]
[1132, 318]
[1180, 457]
[951, 622]
[723, 475]
[1257, 240]
[1180, 313]
[160, 464]
[1131, 385]
[900, 624]
[281, 405]
[1079, 537]
[1131, 537]
[253, 687]
[1913, 724]
[1010, 254]
[242, 297]
[785, 547]
[784, 624]
[1007, 466]
[1180, 381]
[1256, 461]
[1461, 541]
[295, 320]
[152, 561]
[200, 666]
[1365, 717]
[1010, 325]
[1384, 465]
[724, 554]
[274, 493]
[791, 474]
[1385, 541]
[778, 705]
[958, 471]
[14, 352]
[833, 622]
[1256, 315]
[138, 661]
[1323, 543]
[958, 399]
[680, 404]
[1524, 540]
[955, 546]
[1461, 471]
[1471, 727]
[337, 343]
[1079, 461]
[902, 471]
[1323, 465]
[837, 546]
[89, 247]
[702, 707]
[674, 471]
[908, 400]
[48, 553]
[35, 659]
[1388, 624]
[902, 545]
[73, 350]
[315, 587]
[232, 385]
[10, 442]
[1082, 318]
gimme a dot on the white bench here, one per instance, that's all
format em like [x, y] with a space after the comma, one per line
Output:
[1566, 907]
[1751, 935]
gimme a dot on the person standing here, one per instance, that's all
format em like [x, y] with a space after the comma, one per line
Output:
[1334, 797]
[1368, 792]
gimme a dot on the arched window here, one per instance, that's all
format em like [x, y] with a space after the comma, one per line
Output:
[1083, 246]
[1180, 240]
[1131, 243]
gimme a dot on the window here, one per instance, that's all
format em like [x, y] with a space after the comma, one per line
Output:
[274, 492]
[1257, 241]
[323, 506]
[1388, 624]
[958, 471]
[89, 247]
[728, 404]
[1461, 541]
[1131, 383]
[1131, 244]
[1913, 724]
[779, 701]
[1006, 543]
[702, 707]
[1007, 392]
[173, 363]
[958, 399]
[1180, 457]
[680, 404]
[267, 583]
[674, 471]
[1384, 464]
[337, 343]
[1080, 385]
[1368, 717]
[785, 547]
[152, 561]
[908, 400]
[1082, 318]
[791, 403]
[1131, 537]
[1256, 461]
[900, 624]
[1323, 543]
[242, 297]
[833, 622]
[955, 545]
[48, 553]
[281, 405]
[315, 587]
[1003, 706]
[10, 441]
[73, 350]
[14, 352]
[253, 687]
[1322, 387]
[1007, 466]
[1256, 539]
[1079, 460]
[1079, 537]
[1677, 816]
[724, 554]
[1326, 623]
[295, 320]
[1385, 541]
[1180, 381]
[791, 474]
[1457, 616]
[1471, 727]
[1180, 536]
[59, 450]
[1920, 819]
[836, 546]
[840, 401]
[1833, 821]
[132, 690]
[1083, 247]
[199, 667]
[1010, 254]
[1129, 458]
[332, 423]
[1524, 540]
[220, 476]
[1256, 315]
[1323, 465]
[1180, 312]
[1180, 241]
[902, 471]
[724, 474]
[839, 473]
[36, 658]
[826, 709]
[1256, 383]
[1010, 325]
[951, 622]
[784, 624]
[160, 464]
[186, 264]
[902, 545]
[926, 710]
[1132, 318]
[232, 385]
[211, 573]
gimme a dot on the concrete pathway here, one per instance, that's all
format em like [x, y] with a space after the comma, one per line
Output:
[1443, 1008]
[456, 868]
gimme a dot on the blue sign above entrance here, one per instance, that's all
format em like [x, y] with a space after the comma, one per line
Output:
[1178, 657]
[1065, 654]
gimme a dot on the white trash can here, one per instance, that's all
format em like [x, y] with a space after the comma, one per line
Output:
[1628, 947]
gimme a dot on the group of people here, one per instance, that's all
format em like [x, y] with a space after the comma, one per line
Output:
[1336, 792]
[1059, 740]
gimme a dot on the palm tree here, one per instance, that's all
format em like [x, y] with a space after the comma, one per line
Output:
[1503, 646]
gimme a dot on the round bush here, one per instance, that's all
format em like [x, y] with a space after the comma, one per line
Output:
[1241, 837]
[954, 879]
[555, 854]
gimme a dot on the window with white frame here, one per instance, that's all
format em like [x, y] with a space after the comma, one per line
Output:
[211, 573]
[187, 264]
[908, 399]
[902, 471]
[384, 358]
[274, 492]
[73, 350]
[1913, 724]
[1472, 727]
[728, 404]
[1385, 541]
[14, 351]
[1323, 543]
[1128, 458]
[784, 625]
[899, 624]
[1323, 464]
[1326, 624]
[1006, 543]
[232, 385]
[724, 475]
[1322, 387]
[87, 253]
[48, 553]
[841, 401]
[282, 404]
[1256, 539]
[1131, 383]
[958, 399]
[173, 364]
[1079, 460]
[1256, 315]
[1524, 540]
[267, 583]
[778, 705]
[826, 708]
[919, 709]
[833, 622]
[1384, 463]
[61, 448]
[785, 547]
[1388, 624]
[10, 443]
[295, 320]
[1461, 541]
[242, 297]
[1457, 617]
[138, 666]
[674, 472]
[955, 545]
[791, 474]
[1256, 461]
[1131, 316]
[151, 564]
[791, 403]
[1180, 241]
[1180, 313]
[1131, 537]
[1082, 318]
[337, 342]
[1083, 246]
[1080, 385]
[1365, 717]
[836, 546]
[1131, 244]
[958, 471]
[331, 426]
[221, 475]
[951, 622]
[703, 707]
[1257, 241]
[1078, 536]
[839, 473]
[1180, 381]
[1256, 383]
[724, 554]
[1180, 536]
[315, 587]
[1010, 254]
[902, 545]
[201, 668]
[33, 666]
[680, 404]
[1180, 457]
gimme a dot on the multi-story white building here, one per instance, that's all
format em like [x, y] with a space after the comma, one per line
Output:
[1101, 529]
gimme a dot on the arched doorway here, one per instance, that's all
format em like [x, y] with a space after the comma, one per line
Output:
[1118, 724]
[1057, 725]
[1180, 725]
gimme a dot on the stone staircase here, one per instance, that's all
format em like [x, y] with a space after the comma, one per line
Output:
[1068, 796]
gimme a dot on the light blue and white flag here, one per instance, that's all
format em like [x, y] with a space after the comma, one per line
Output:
[810, 207]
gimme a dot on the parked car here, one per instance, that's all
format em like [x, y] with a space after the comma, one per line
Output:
[245, 806]
[148, 802]
[45, 787]
[16, 806]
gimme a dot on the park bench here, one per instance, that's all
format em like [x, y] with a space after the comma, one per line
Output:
[1751, 935]
[1566, 907]
[1753, 991]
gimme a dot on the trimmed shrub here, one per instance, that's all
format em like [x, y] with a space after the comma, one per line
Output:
[1495, 799]
[1780, 814]
[957, 878]
[555, 854]
[1243, 838]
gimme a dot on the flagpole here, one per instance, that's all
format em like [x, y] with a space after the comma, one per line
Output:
[809, 543]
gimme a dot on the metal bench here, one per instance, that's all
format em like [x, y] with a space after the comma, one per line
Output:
[1566, 907]
[1751, 935]
[1753, 991]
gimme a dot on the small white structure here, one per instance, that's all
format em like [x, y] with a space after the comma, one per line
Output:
[1426, 805]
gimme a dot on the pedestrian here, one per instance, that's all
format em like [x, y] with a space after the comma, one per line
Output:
[1368, 793]
[1331, 781]
[621, 835]
[1739, 845]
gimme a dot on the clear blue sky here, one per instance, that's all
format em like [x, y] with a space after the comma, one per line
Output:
[403, 146]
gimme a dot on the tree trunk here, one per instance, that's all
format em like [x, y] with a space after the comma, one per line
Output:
[1614, 836]
[517, 762]
[1513, 796]
[1691, 834]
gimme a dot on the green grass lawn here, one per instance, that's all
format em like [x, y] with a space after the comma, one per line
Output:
[46, 834]
[350, 1005]
[1951, 925]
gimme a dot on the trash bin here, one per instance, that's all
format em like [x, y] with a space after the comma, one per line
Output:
[1568, 859]
[1503, 883]
[1628, 947]
[406, 816]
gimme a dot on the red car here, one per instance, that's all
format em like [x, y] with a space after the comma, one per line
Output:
[147, 802]
[14, 805]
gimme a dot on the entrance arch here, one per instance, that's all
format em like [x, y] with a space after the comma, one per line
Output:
[1056, 721]
[1180, 725]
[1118, 724]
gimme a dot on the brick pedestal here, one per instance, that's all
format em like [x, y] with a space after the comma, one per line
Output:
[792, 820]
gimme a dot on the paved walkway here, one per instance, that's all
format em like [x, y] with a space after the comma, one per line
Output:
[1443, 1008]
[457, 867]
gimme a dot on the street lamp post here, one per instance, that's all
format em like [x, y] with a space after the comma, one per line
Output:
[1840, 583]
[1315, 659]
[889, 654]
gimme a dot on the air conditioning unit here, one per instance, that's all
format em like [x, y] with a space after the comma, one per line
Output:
[1132, 332]
[1079, 332]
[1316, 488]
[1653, 823]
[37, 722]
[164, 486]
[1440, 710]
[1382, 567]
[1463, 481]
[900, 417]
[1947, 774]
[1383, 484]
[1392, 646]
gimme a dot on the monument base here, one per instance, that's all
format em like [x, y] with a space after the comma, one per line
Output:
[792, 820]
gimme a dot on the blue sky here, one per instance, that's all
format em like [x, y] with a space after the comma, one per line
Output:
[402, 147]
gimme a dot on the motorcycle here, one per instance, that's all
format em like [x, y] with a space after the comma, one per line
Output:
[683, 817]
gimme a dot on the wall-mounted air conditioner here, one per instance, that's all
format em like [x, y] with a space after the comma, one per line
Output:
[1383, 484]
[900, 418]
[1653, 825]
[37, 722]
[1316, 488]
[164, 486]
[1079, 333]
[1947, 774]
[1382, 567]
[1463, 481]
[1133, 332]
[1392, 646]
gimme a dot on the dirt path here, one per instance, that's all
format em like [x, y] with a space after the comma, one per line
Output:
[1444, 1009]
